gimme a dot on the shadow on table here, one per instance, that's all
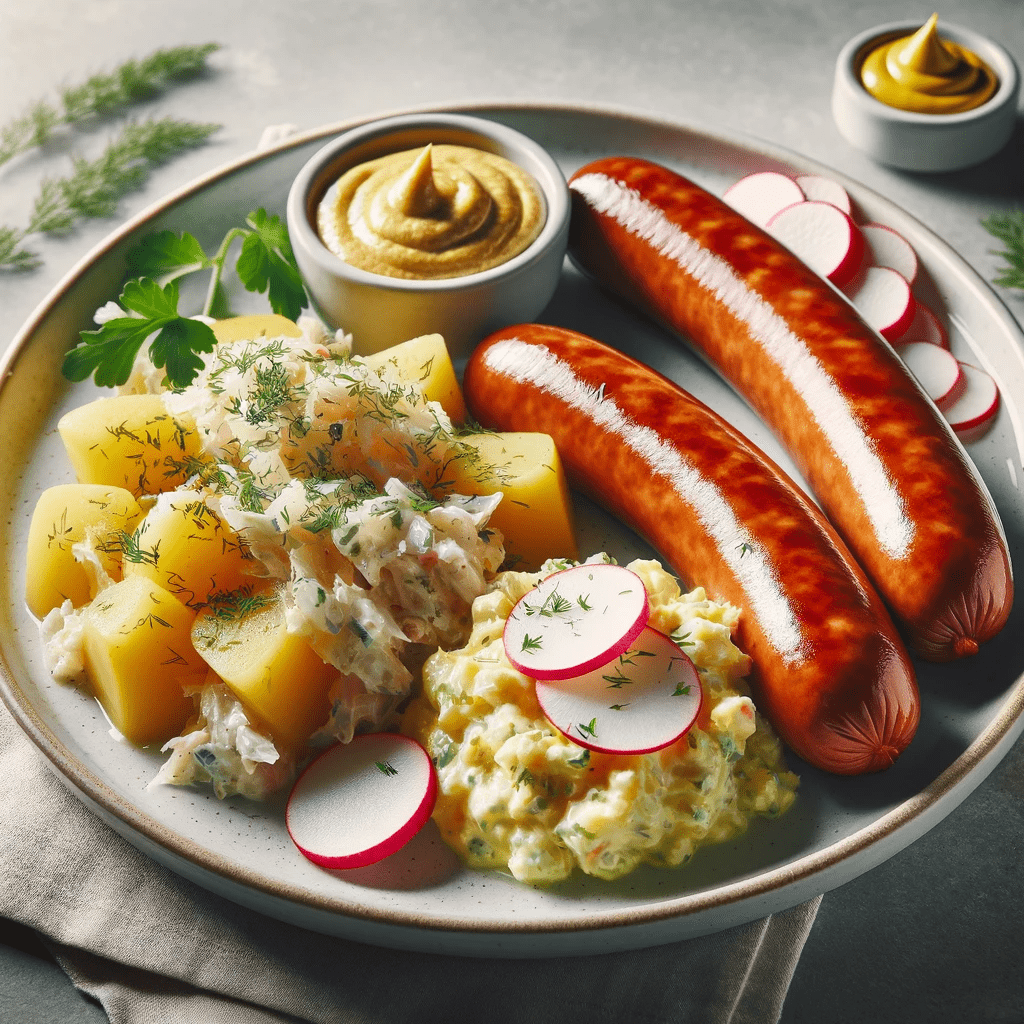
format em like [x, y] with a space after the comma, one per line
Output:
[999, 177]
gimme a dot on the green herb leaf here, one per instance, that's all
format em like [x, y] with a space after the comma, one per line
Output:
[582, 760]
[165, 253]
[129, 83]
[267, 264]
[109, 352]
[148, 299]
[12, 257]
[95, 186]
[1009, 228]
[177, 348]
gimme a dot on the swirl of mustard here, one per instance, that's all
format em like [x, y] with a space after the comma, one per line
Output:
[443, 211]
[927, 74]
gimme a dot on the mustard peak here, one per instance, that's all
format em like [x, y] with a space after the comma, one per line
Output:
[415, 192]
[925, 53]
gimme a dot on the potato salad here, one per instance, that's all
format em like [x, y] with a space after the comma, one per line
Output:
[516, 793]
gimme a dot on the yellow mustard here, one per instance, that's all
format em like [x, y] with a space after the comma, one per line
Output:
[927, 74]
[443, 211]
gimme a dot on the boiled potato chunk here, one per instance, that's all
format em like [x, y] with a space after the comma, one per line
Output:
[64, 516]
[139, 657]
[274, 673]
[535, 514]
[186, 547]
[248, 328]
[425, 361]
[131, 441]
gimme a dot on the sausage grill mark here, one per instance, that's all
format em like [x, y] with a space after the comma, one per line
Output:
[893, 528]
[533, 364]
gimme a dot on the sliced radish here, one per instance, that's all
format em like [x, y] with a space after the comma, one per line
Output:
[884, 299]
[888, 248]
[825, 190]
[925, 326]
[576, 620]
[936, 370]
[642, 700]
[358, 802]
[761, 195]
[977, 405]
[821, 235]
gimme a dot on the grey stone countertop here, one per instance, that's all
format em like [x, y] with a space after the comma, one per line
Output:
[935, 932]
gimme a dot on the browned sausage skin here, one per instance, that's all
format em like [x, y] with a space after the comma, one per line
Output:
[830, 670]
[881, 461]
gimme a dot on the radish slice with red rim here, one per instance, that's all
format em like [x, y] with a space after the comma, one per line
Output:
[359, 802]
[936, 370]
[976, 407]
[925, 326]
[644, 699]
[576, 620]
[883, 298]
[888, 248]
[761, 195]
[825, 190]
[821, 235]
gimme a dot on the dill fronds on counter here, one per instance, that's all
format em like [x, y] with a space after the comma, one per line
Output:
[100, 95]
[94, 186]
[1009, 229]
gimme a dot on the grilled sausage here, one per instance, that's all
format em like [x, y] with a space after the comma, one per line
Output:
[884, 466]
[829, 668]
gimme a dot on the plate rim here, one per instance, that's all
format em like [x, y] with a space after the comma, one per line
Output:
[923, 807]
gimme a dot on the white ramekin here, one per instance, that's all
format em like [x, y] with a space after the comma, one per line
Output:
[924, 142]
[381, 311]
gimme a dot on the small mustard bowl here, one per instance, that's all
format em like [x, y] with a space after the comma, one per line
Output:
[926, 142]
[381, 311]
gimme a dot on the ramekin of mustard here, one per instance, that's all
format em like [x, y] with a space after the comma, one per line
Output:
[925, 97]
[429, 223]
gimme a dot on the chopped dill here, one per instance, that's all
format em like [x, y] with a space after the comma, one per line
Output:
[270, 393]
[232, 605]
[132, 549]
[582, 760]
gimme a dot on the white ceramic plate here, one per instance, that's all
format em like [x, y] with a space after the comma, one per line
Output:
[421, 898]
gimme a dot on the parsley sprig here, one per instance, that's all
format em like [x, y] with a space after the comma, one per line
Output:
[1009, 229]
[150, 300]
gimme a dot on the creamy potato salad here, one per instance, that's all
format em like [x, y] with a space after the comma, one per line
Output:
[516, 794]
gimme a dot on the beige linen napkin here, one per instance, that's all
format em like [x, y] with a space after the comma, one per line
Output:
[154, 947]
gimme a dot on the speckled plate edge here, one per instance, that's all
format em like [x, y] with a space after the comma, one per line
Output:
[593, 931]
